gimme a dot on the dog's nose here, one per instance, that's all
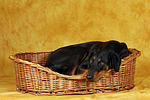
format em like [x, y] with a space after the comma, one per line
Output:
[89, 77]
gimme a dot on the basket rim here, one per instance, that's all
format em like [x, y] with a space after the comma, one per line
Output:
[135, 54]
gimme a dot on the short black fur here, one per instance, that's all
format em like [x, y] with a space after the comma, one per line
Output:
[95, 56]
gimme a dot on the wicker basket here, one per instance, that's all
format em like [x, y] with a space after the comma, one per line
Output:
[33, 78]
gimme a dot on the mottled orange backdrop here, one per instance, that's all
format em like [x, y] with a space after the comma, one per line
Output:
[37, 25]
[44, 25]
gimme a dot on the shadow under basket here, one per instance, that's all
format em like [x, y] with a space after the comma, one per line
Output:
[33, 78]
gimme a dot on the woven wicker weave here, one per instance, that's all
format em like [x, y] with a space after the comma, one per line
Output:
[33, 78]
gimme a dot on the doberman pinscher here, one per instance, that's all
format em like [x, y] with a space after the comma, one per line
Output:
[98, 57]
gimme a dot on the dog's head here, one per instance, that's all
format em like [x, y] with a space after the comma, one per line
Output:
[100, 62]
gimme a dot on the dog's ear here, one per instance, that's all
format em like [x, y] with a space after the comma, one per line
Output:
[124, 50]
[115, 61]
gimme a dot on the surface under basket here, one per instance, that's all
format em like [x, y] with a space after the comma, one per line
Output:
[33, 78]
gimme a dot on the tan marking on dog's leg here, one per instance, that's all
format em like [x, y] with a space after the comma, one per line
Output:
[91, 61]
[74, 70]
[107, 68]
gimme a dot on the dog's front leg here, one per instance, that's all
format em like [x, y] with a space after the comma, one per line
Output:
[82, 67]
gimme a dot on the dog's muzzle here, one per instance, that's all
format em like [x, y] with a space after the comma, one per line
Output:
[97, 75]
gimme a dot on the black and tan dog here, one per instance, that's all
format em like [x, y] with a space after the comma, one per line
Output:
[96, 56]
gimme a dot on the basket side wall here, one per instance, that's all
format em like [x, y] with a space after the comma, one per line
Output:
[29, 79]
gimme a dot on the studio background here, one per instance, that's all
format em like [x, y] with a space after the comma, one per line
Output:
[45, 25]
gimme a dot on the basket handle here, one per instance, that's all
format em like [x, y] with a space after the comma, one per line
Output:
[11, 57]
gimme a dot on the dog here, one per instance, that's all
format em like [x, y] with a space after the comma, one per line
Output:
[96, 56]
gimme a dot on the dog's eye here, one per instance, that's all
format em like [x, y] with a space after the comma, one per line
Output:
[102, 63]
